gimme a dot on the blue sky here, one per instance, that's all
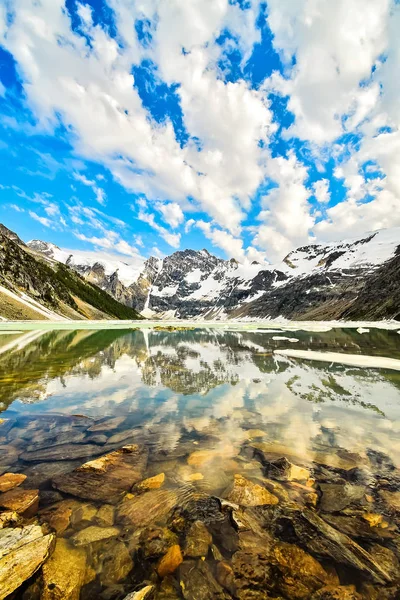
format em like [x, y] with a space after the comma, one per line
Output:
[245, 127]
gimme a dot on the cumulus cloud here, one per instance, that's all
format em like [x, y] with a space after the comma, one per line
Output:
[172, 213]
[321, 190]
[339, 60]
[42, 220]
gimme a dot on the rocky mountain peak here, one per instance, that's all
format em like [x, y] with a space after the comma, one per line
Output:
[11, 235]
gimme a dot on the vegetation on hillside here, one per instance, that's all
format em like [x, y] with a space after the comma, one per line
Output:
[20, 270]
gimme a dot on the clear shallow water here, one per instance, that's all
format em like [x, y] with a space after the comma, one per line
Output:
[206, 406]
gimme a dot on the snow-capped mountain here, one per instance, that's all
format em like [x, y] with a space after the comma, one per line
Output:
[317, 281]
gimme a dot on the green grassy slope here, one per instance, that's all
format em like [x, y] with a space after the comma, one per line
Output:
[53, 285]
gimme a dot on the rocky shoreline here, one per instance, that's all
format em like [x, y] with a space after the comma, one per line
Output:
[203, 521]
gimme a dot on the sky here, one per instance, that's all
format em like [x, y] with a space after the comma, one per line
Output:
[141, 127]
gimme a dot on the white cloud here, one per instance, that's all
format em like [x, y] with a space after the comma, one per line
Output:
[172, 213]
[17, 208]
[336, 44]
[98, 192]
[173, 239]
[91, 88]
[232, 246]
[321, 190]
[286, 220]
[341, 81]
[43, 220]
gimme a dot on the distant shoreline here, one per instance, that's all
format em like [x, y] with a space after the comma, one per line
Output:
[284, 325]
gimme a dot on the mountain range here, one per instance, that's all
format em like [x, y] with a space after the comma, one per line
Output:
[350, 279]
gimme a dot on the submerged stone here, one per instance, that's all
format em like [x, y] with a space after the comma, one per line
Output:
[336, 496]
[105, 515]
[198, 582]
[108, 424]
[82, 513]
[9, 481]
[284, 470]
[13, 538]
[64, 572]
[324, 540]
[22, 562]
[148, 508]
[140, 594]
[391, 499]
[198, 540]
[92, 534]
[100, 439]
[9, 518]
[152, 483]
[115, 563]
[58, 516]
[300, 574]
[62, 452]
[170, 561]
[106, 478]
[21, 501]
[247, 493]
[155, 541]
[341, 592]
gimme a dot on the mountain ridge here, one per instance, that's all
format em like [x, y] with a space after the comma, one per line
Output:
[34, 286]
[315, 281]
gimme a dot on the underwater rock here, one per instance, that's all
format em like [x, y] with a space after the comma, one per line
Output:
[341, 592]
[336, 496]
[57, 439]
[24, 502]
[367, 526]
[225, 576]
[115, 563]
[246, 493]
[22, 561]
[140, 594]
[9, 481]
[13, 538]
[251, 572]
[147, 508]
[152, 483]
[100, 439]
[62, 452]
[299, 574]
[58, 516]
[198, 582]
[9, 517]
[170, 561]
[200, 458]
[48, 497]
[198, 540]
[391, 499]
[64, 572]
[8, 455]
[155, 541]
[107, 424]
[40, 475]
[106, 478]
[387, 559]
[92, 534]
[283, 470]
[322, 539]
[117, 438]
[105, 515]
[82, 513]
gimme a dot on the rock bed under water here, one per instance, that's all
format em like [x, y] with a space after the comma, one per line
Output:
[95, 509]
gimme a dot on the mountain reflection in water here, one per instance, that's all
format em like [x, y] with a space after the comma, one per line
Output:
[207, 406]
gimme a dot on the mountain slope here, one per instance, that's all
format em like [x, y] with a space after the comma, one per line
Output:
[317, 281]
[49, 288]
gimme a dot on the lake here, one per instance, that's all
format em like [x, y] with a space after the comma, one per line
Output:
[200, 463]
